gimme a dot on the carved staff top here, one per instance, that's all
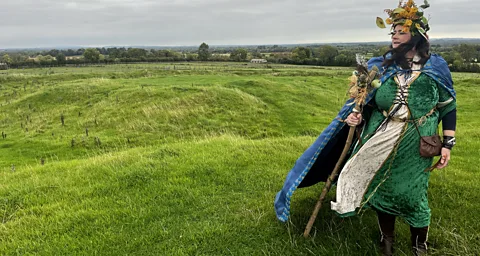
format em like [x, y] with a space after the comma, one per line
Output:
[362, 82]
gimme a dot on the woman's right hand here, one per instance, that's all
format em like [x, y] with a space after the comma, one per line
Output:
[354, 119]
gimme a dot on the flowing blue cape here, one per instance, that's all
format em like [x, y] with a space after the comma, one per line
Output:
[319, 160]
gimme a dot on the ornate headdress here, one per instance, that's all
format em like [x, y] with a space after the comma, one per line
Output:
[409, 16]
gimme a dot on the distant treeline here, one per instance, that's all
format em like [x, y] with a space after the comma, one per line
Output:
[461, 57]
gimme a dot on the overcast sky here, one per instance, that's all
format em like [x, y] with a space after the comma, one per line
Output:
[49, 23]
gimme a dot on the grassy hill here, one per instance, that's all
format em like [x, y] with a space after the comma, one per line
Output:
[167, 159]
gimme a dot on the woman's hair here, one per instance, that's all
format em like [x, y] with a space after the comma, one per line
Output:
[421, 45]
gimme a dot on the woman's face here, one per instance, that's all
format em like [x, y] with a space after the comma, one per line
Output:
[399, 37]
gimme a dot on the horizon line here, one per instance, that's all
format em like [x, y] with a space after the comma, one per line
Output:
[217, 45]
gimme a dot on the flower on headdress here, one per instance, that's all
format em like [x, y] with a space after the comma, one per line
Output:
[418, 26]
[408, 23]
[389, 21]
[413, 11]
[406, 29]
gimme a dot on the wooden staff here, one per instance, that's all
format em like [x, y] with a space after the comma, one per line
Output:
[329, 182]
[362, 86]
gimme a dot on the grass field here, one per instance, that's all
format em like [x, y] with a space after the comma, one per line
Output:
[185, 159]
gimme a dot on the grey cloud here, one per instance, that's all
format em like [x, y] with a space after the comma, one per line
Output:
[29, 23]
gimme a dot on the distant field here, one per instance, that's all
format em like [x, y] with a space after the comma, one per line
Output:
[185, 159]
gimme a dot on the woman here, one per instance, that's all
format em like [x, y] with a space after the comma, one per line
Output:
[385, 170]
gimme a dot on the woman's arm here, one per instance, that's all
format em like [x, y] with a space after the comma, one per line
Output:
[449, 123]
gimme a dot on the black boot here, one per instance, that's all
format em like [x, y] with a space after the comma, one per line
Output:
[419, 238]
[386, 222]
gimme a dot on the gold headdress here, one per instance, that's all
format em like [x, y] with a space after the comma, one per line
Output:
[409, 16]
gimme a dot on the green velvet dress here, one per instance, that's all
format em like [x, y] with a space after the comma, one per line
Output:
[387, 173]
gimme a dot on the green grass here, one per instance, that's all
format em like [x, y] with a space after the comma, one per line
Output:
[189, 160]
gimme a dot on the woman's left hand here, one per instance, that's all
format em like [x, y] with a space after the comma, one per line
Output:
[444, 159]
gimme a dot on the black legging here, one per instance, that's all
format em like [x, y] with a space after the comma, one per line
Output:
[387, 223]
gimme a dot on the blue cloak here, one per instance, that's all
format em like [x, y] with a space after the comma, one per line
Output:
[319, 160]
